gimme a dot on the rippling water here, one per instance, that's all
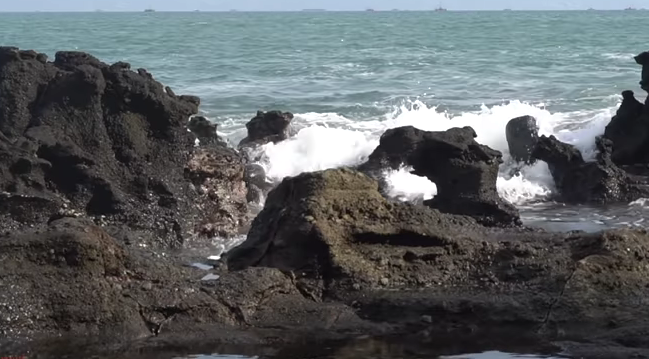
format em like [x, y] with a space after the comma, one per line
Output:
[350, 76]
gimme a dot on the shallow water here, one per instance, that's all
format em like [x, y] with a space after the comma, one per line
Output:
[559, 217]
[485, 355]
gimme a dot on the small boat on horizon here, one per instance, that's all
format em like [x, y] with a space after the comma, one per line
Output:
[369, 10]
[630, 8]
[440, 9]
[149, 10]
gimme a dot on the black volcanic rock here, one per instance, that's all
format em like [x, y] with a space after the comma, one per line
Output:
[205, 131]
[522, 133]
[265, 127]
[578, 181]
[328, 257]
[464, 171]
[629, 132]
[102, 141]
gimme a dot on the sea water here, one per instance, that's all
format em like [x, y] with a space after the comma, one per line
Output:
[350, 76]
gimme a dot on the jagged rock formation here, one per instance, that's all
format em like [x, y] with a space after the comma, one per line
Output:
[579, 181]
[464, 171]
[629, 132]
[80, 137]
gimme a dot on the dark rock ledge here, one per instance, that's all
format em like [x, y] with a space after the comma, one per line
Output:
[102, 185]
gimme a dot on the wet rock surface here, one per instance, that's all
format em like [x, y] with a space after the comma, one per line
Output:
[464, 171]
[629, 132]
[578, 181]
[265, 127]
[83, 138]
[522, 134]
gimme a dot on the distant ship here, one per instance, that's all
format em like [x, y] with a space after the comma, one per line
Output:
[149, 10]
[370, 10]
[507, 10]
[630, 8]
[440, 9]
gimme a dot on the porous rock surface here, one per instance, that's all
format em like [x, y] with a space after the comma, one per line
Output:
[82, 138]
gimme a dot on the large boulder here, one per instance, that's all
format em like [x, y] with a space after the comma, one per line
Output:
[588, 182]
[464, 171]
[522, 133]
[265, 127]
[86, 138]
[316, 223]
[629, 132]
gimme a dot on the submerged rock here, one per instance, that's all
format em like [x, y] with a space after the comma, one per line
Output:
[522, 133]
[464, 171]
[104, 141]
[265, 127]
[629, 132]
[587, 182]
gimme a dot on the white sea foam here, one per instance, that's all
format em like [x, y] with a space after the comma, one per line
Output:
[327, 140]
[641, 202]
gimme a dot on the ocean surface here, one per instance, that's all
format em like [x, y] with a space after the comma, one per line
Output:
[350, 76]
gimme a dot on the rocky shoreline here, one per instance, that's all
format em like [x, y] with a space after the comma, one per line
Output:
[108, 178]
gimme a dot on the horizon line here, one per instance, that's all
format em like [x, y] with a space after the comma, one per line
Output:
[301, 10]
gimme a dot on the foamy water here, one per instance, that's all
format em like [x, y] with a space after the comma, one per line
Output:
[330, 140]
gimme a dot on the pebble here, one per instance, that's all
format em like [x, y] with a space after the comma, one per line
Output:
[147, 286]
[385, 281]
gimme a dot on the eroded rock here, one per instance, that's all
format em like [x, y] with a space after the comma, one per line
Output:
[205, 131]
[522, 133]
[104, 141]
[578, 181]
[629, 132]
[265, 127]
[218, 176]
[464, 171]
